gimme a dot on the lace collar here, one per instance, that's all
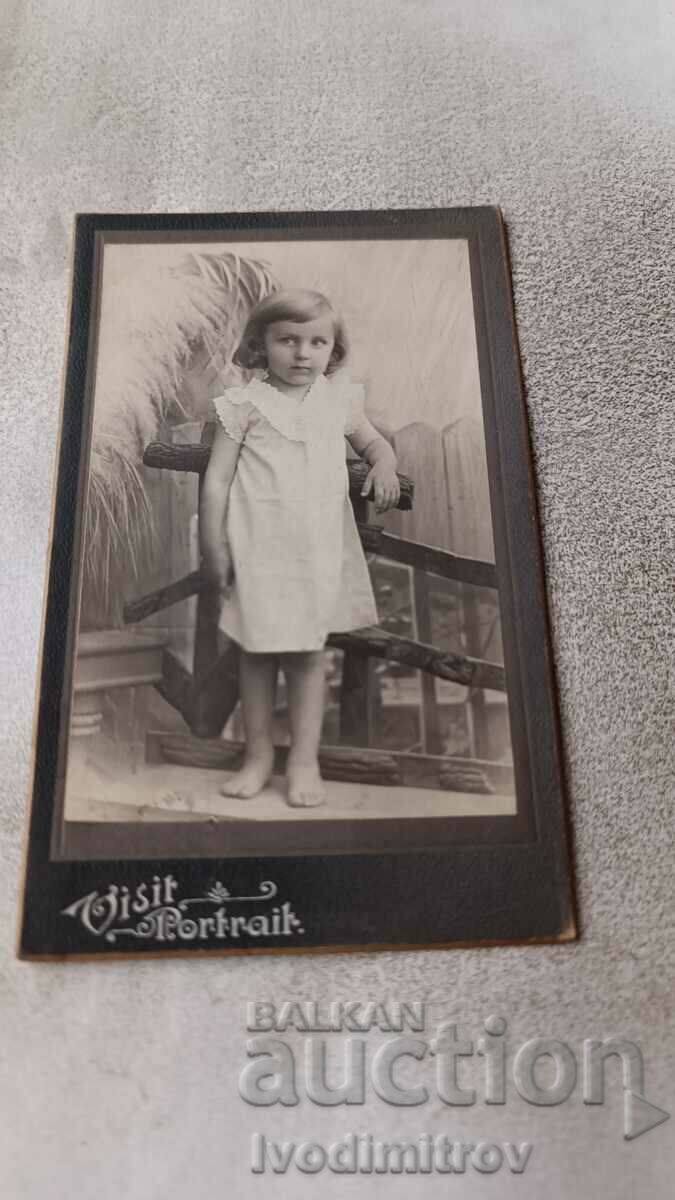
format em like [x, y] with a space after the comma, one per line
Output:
[286, 415]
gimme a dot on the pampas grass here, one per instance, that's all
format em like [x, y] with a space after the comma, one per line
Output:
[153, 323]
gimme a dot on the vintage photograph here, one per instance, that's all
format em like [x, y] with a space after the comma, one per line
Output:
[289, 520]
[289, 606]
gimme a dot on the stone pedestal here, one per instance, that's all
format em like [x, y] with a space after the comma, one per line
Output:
[105, 660]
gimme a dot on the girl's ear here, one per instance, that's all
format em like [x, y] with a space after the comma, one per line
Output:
[257, 352]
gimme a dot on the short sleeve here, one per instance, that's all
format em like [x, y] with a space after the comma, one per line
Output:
[355, 412]
[233, 412]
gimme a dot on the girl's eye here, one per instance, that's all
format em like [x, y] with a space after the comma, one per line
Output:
[319, 342]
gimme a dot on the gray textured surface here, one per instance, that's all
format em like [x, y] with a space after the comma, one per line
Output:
[121, 1079]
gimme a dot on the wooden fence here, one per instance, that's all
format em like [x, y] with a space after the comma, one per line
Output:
[452, 512]
[446, 533]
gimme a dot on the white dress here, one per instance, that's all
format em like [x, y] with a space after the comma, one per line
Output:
[299, 568]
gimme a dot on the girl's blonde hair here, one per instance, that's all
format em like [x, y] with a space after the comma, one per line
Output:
[298, 305]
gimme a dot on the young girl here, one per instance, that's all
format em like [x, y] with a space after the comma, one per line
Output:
[291, 568]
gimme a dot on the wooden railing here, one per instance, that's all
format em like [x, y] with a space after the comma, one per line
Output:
[207, 696]
[374, 541]
[195, 458]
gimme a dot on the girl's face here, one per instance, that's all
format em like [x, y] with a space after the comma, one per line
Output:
[299, 351]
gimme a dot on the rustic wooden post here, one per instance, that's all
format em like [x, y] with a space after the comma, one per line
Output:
[215, 689]
[181, 489]
[432, 740]
[208, 601]
[420, 454]
[358, 687]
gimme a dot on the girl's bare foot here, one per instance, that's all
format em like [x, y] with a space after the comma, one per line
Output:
[252, 777]
[305, 785]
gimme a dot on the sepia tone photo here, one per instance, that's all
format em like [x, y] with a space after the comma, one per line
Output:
[346, 664]
[296, 625]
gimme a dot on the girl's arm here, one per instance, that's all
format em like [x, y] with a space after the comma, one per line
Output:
[381, 478]
[213, 506]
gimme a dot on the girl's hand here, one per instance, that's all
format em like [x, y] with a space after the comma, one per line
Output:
[220, 574]
[383, 482]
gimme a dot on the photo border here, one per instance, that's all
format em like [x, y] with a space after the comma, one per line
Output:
[438, 881]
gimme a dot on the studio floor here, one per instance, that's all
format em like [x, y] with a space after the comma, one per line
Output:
[167, 792]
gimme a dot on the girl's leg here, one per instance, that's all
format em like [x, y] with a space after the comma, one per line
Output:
[305, 680]
[257, 683]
